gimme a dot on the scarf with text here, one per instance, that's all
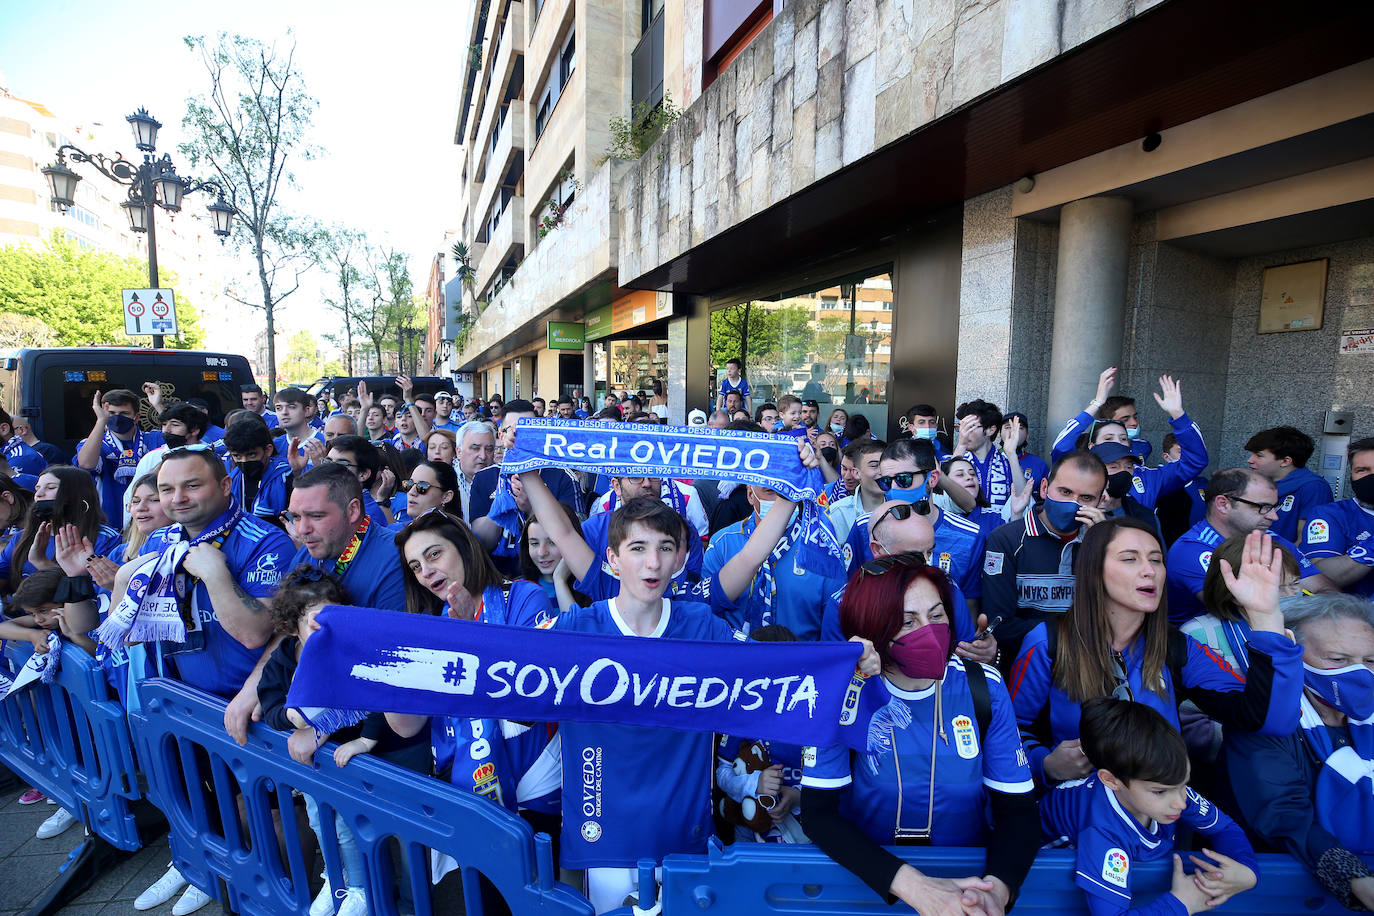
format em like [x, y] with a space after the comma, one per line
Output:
[40, 666]
[1344, 797]
[156, 603]
[686, 452]
[994, 475]
[378, 660]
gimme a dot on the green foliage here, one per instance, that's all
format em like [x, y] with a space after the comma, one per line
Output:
[554, 213]
[303, 362]
[388, 304]
[71, 296]
[631, 137]
[342, 252]
[462, 261]
[757, 331]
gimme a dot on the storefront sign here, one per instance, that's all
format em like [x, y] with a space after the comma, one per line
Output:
[640, 307]
[566, 335]
[598, 323]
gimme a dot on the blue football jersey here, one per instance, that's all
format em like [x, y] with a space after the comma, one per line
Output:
[1301, 494]
[374, 578]
[959, 546]
[272, 494]
[891, 790]
[1111, 841]
[258, 555]
[630, 791]
[477, 755]
[1191, 556]
[114, 469]
[23, 458]
[1343, 528]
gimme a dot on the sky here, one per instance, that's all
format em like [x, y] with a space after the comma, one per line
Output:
[385, 77]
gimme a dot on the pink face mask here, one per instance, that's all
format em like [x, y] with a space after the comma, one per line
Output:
[922, 653]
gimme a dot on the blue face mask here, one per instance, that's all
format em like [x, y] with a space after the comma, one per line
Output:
[1133, 433]
[1349, 689]
[837, 428]
[765, 506]
[1061, 515]
[120, 424]
[909, 495]
[926, 433]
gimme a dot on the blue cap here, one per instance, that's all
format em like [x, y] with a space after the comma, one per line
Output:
[1112, 451]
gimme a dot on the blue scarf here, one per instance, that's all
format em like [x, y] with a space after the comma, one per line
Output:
[668, 491]
[994, 475]
[637, 450]
[505, 513]
[1238, 635]
[1344, 797]
[156, 604]
[802, 693]
[813, 556]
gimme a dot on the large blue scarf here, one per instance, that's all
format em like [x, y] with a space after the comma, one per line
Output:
[802, 693]
[639, 450]
[1344, 798]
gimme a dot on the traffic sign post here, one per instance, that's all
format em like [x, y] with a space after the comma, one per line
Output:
[149, 312]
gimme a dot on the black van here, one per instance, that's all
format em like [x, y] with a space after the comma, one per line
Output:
[377, 385]
[53, 387]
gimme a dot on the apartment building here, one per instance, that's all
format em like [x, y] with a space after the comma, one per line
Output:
[1043, 188]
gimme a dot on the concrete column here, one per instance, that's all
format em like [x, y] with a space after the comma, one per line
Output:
[1090, 300]
[588, 372]
[524, 386]
[689, 343]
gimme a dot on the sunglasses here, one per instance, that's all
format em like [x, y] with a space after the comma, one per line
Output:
[881, 565]
[903, 479]
[901, 512]
[419, 486]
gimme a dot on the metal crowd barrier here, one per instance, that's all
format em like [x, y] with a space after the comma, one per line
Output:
[71, 740]
[234, 820]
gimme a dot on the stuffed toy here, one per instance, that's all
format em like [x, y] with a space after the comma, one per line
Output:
[751, 813]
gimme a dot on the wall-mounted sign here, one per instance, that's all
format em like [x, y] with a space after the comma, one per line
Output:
[598, 323]
[640, 307]
[1357, 340]
[1293, 298]
[566, 335]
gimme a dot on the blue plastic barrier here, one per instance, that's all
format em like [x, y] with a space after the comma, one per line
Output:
[220, 800]
[761, 879]
[71, 740]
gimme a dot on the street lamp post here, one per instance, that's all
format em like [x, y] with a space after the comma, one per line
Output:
[152, 184]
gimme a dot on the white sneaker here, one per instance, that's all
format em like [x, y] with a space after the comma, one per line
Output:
[192, 900]
[354, 903]
[162, 890]
[56, 823]
[324, 900]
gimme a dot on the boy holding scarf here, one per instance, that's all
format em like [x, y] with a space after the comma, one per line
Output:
[113, 449]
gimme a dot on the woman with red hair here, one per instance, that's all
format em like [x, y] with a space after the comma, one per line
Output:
[944, 761]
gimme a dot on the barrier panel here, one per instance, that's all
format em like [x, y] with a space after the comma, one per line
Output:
[761, 879]
[225, 804]
[71, 740]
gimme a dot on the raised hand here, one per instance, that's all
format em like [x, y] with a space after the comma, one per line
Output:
[103, 571]
[314, 450]
[1021, 497]
[153, 391]
[98, 407]
[72, 552]
[1011, 435]
[1256, 585]
[807, 454]
[364, 396]
[1170, 398]
[384, 486]
[294, 456]
[461, 604]
[38, 552]
[406, 384]
[1105, 381]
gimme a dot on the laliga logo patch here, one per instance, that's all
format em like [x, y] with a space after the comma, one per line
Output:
[965, 738]
[1317, 531]
[591, 831]
[848, 554]
[809, 756]
[1205, 560]
[1116, 867]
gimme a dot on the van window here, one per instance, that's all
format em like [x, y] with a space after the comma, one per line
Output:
[66, 393]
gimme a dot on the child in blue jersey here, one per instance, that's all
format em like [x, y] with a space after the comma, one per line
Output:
[1281, 454]
[1118, 410]
[63, 495]
[733, 382]
[1339, 536]
[944, 765]
[1125, 814]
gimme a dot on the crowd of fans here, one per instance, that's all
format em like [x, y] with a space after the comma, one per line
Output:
[1131, 659]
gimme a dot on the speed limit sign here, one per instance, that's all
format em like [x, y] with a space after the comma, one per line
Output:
[137, 304]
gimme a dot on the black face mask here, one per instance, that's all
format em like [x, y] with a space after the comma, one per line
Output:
[1119, 484]
[251, 469]
[43, 509]
[173, 440]
[831, 455]
[1364, 489]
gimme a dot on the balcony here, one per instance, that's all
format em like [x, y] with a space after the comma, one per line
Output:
[505, 78]
[509, 234]
[509, 149]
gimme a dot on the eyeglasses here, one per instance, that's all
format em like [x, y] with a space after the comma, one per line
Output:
[903, 479]
[881, 565]
[1261, 508]
[419, 486]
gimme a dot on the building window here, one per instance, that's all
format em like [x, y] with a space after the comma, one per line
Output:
[559, 75]
[832, 344]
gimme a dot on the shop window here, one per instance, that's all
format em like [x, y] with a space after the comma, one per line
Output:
[831, 344]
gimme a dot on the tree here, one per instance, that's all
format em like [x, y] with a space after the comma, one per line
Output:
[66, 295]
[342, 252]
[385, 309]
[247, 129]
[771, 338]
[303, 362]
